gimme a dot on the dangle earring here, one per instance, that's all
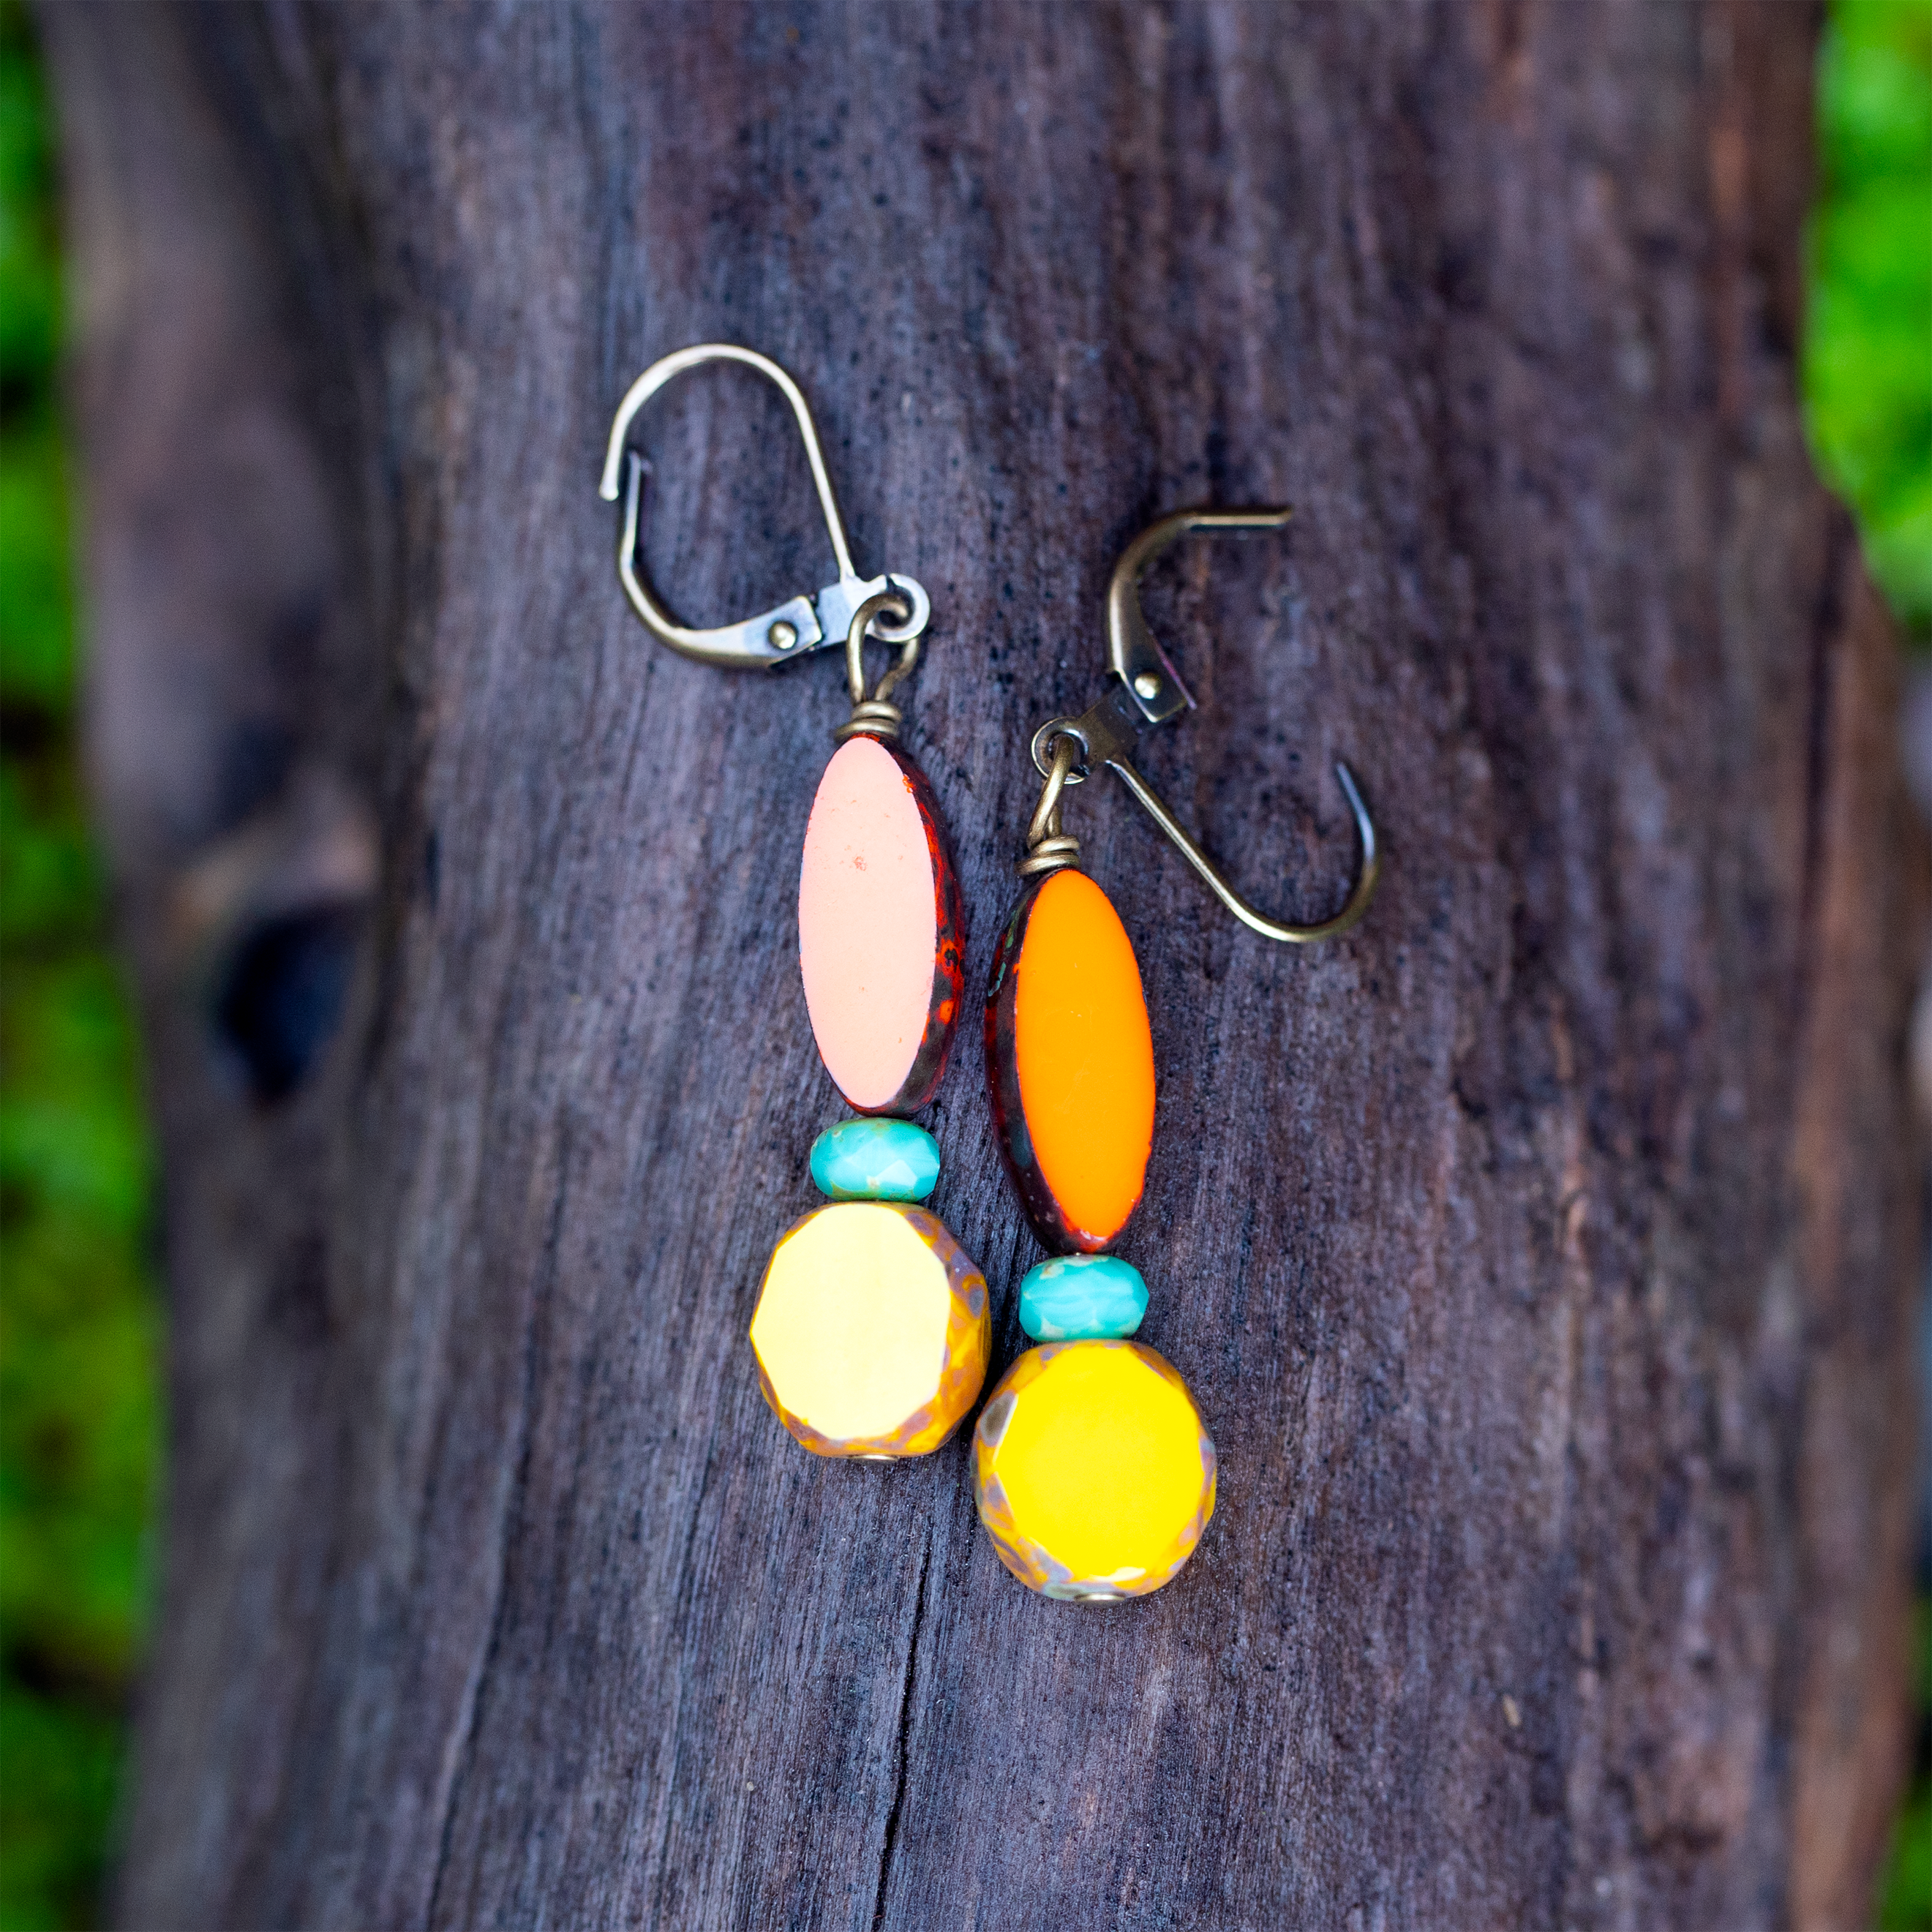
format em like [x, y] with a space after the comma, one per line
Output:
[1094, 1472]
[871, 1330]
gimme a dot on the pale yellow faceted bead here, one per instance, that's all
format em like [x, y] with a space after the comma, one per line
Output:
[1095, 1473]
[872, 1330]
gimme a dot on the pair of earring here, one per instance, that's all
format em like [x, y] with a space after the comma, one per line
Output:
[1094, 1472]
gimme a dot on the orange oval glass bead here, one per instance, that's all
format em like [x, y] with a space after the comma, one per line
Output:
[879, 929]
[1070, 1060]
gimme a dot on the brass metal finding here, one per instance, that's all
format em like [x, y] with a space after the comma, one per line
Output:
[800, 625]
[1149, 691]
[1048, 848]
[1133, 654]
[873, 716]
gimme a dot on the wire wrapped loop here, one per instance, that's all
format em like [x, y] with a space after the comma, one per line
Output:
[872, 716]
[870, 719]
[1048, 847]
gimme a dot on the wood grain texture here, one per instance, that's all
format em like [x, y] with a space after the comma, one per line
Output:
[1541, 1254]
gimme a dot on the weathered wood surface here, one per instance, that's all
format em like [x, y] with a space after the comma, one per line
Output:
[1540, 1253]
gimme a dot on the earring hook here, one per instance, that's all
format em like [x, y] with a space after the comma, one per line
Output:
[800, 625]
[1151, 692]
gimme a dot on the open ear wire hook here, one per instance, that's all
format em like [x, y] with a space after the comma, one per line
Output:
[1150, 692]
[800, 625]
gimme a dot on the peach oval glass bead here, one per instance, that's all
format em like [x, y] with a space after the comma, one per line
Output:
[1094, 1472]
[879, 929]
[1070, 1060]
[872, 1330]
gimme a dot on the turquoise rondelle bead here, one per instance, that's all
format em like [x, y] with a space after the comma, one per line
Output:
[1082, 1298]
[875, 1160]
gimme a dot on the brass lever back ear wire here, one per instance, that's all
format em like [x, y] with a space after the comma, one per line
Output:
[1150, 692]
[800, 624]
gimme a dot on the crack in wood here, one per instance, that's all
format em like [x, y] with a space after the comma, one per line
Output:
[889, 1843]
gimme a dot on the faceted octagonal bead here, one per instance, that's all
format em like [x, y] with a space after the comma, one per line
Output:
[1095, 1473]
[872, 1331]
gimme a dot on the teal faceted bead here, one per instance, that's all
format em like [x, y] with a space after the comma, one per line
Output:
[1082, 1298]
[875, 1160]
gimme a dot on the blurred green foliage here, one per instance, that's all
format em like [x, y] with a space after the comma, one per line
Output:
[79, 1318]
[78, 1331]
[1868, 346]
[1868, 403]
[1906, 1898]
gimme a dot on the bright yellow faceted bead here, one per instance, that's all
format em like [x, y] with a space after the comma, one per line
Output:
[872, 1331]
[1095, 1474]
